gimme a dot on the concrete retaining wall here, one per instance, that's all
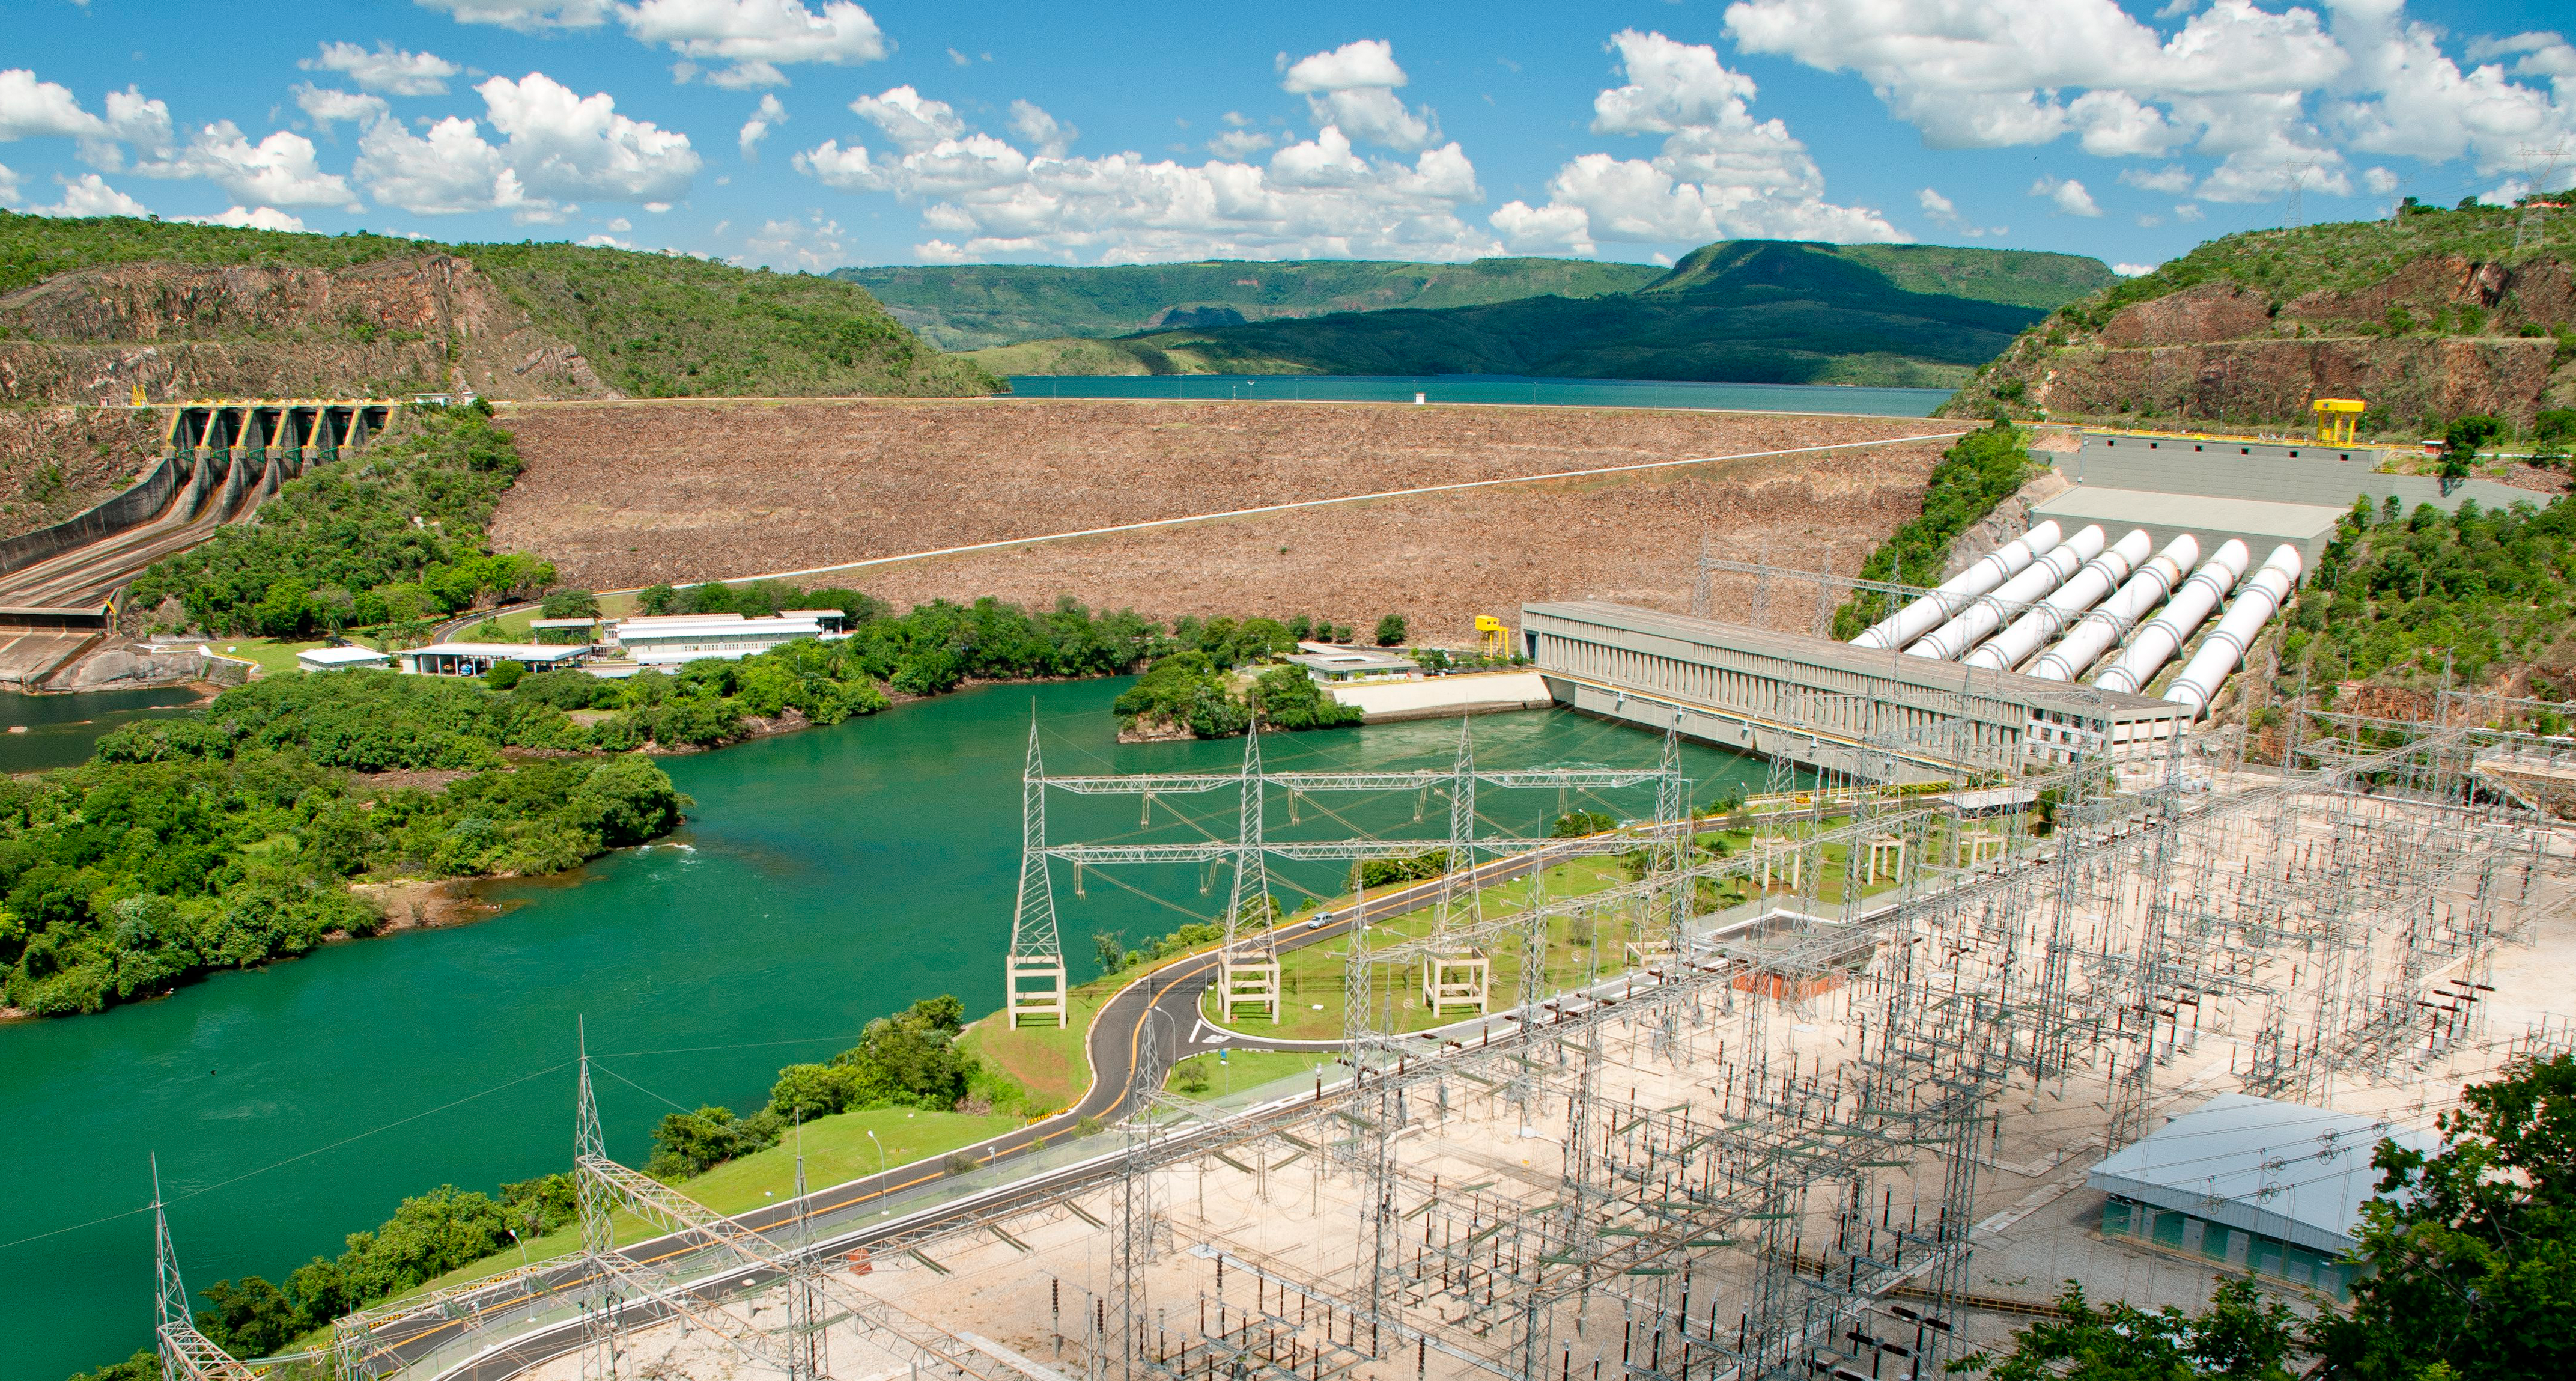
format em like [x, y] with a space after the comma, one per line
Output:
[139, 503]
[1440, 697]
[2282, 472]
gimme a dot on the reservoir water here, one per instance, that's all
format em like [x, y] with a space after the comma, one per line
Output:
[60, 729]
[825, 878]
[1489, 388]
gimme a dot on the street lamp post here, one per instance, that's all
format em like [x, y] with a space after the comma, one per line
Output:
[882, 1210]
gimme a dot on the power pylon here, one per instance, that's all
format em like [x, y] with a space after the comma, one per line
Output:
[1033, 980]
[186, 1354]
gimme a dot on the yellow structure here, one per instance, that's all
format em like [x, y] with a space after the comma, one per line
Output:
[1492, 638]
[139, 400]
[2336, 418]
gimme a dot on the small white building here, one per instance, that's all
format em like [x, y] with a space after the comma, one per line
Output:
[474, 659]
[1337, 663]
[671, 639]
[340, 658]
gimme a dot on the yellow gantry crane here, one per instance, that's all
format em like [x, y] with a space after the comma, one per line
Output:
[1492, 638]
[2336, 417]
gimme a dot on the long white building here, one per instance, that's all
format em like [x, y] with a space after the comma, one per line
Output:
[671, 639]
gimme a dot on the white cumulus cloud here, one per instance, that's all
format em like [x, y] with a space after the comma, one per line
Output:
[279, 170]
[249, 218]
[559, 146]
[326, 106]
[770, 114]
[1945, 212]
[1050, 136]
[984, 198]
[1719, 174]
[756, 36]
[388, 71]
[526, 16]
[813, 245]
[912, 121]
[89, 195]
[2133, 270]
[34, 108]
[2067, 195]
[2282, 100]
[1352, 88]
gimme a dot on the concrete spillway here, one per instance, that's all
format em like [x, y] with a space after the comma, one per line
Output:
[2082, 591]
[2181, 617]
[2225, 646]
[1973, 624]
[1954, 594]
[2096, 631]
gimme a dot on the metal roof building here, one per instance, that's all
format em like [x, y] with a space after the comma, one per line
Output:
[2271, 1187]
[671, 639]
[474, 659]
[1818, 701]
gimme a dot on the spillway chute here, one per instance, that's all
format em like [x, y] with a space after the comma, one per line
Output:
[2082, 590]
[1954, 594]
[2224, 648]
[2093, 634]
[1974, 623]
[2181, 617]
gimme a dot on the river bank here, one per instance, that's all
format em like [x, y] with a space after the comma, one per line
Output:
[827, 878]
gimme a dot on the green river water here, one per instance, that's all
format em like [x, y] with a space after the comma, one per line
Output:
[824, 878]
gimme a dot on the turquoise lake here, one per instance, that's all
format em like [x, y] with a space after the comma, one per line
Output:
[824, 878]
[1490, 388]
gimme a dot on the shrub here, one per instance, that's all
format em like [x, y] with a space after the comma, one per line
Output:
[1390, 631]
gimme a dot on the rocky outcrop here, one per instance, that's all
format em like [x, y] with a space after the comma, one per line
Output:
[55, 462]
[2253, 382]
[130, 665]
[2436, 337]
[422, 323]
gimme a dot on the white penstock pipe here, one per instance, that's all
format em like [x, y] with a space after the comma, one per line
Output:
[2082, 591]
[2174, 624]
[2225, 646]
[1989, 612]
[1953, 594]
[2097, 630]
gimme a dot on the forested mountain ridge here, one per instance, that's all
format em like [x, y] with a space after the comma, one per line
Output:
[89, 308]
[974, 306]
[2428, 316]
[1757, 311]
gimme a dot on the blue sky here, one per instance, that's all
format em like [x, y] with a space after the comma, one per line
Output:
[814, 133]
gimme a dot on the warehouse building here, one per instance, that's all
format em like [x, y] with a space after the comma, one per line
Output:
[2270, 1188]
[672, 639]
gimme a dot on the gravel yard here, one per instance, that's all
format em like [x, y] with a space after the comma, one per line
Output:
[628, 494]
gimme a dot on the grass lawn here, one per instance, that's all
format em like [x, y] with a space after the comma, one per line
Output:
[1242, 1069]
[836, 1149]
[1052, 1063]
[275, 658]
[1310, 978]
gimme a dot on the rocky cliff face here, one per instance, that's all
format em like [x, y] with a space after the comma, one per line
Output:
[419, 324]
[54, 462]
[2440, 336]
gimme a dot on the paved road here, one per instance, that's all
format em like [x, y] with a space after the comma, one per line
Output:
[1116, 1044]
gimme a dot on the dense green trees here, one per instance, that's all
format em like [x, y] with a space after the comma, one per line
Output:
[1979, 470]
[2471, 1251]
[2240, 1337]
[393, 536]
[2485, 589]
[225, 839]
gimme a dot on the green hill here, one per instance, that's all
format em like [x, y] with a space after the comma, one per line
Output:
[973, 306]
[653, 325]
[1756, 311]
[2427, 316]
